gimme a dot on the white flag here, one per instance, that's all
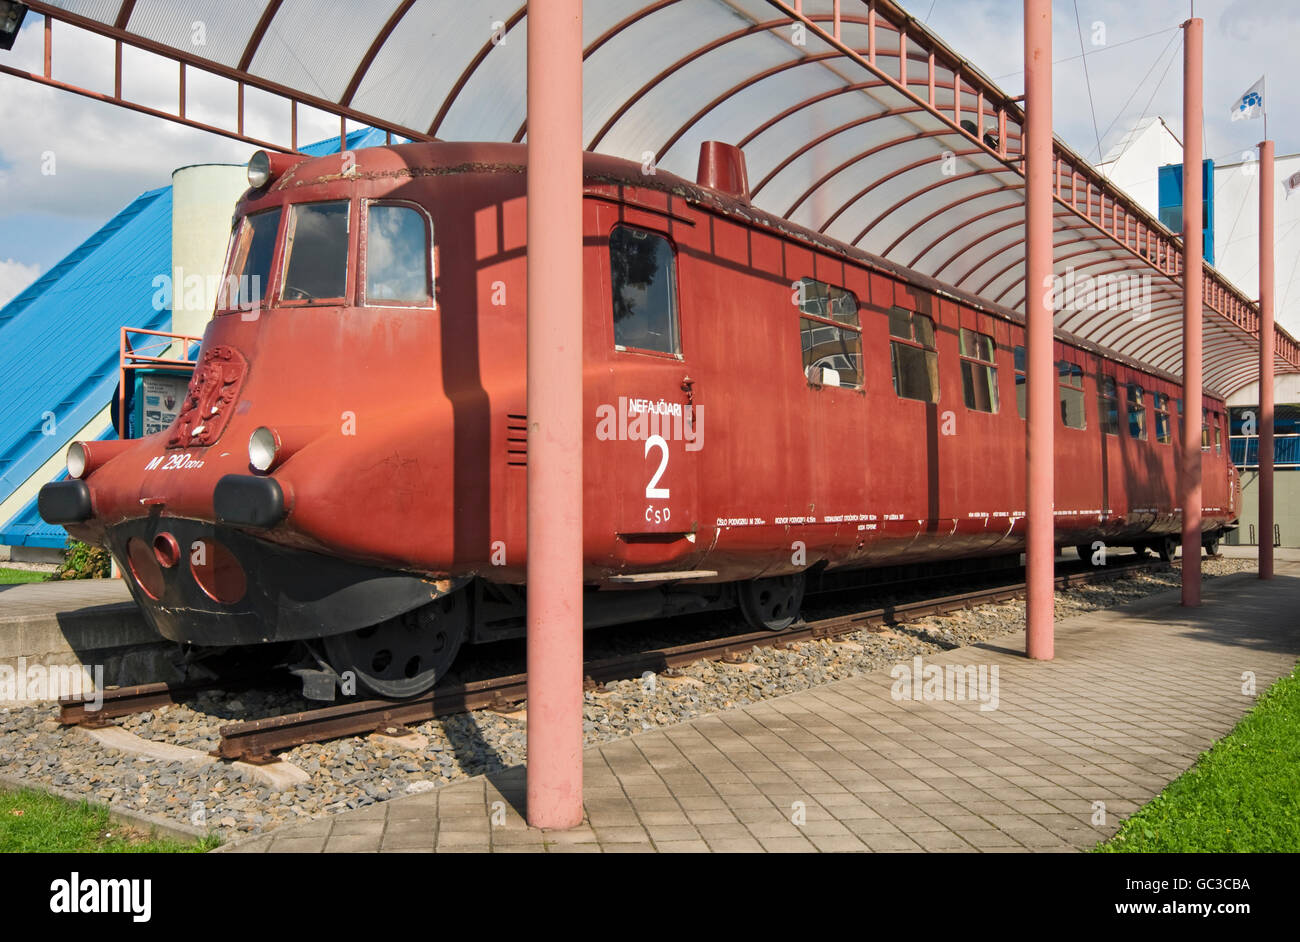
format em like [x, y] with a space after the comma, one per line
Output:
[1291, 183]
[1251, 104]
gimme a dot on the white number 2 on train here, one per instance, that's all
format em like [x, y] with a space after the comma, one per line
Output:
[652, 491]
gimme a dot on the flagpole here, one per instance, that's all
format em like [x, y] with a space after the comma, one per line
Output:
[1263, 105]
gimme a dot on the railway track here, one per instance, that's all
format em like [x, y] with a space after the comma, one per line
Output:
[258, 741]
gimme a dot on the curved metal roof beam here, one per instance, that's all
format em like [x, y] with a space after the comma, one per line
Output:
[1082, 328]
[766, 74]
[979, 292]
[856, 158]
[997, 253]
[970, 220]
[1091, 249]
[1115, 332]
[124, 14]
[373, 51]
[1089, 325]
[259, 31]
[604, 38]
[756, 29]
[947, 207]
[822, 96]
[894, 142]
[915, 193]
[450, 99]
[978, 196]
[764, 26]
[815, 100]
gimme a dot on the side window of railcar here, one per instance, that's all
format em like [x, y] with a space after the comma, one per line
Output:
[1218, 433]
[1019, 359]
[829, 334]
[913, 355]
[1205, 429]
[1164, 427]
[979, 372]
[644, 285]
[250, 261]
[1137, 412]
[398, 261]
[1108, 403]
[316, 252]
[1070, 383]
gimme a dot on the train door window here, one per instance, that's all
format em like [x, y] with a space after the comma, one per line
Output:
[912, 352]
[1070, 385]
[1164, 428]
[316, 252]
[1019, 359]
[397, 260]
[1205, 429]
[644, 284]
[1108, 405]
[250, 262]
[979, 373]
[1218, 433]
[829, 334]
[1137, 412]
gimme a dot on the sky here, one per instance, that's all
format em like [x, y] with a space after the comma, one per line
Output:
[1116, 61]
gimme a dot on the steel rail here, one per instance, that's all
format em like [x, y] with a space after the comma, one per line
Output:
[257, 740]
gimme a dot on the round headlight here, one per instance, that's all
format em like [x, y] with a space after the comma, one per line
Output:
[76, 460]
[262, 446]
[259, 169]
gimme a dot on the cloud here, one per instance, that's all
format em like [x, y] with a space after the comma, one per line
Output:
[65, 154]
[14, 277]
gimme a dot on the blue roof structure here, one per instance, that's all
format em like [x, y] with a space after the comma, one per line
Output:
[361, 137]
[59, 338]
[59, 343]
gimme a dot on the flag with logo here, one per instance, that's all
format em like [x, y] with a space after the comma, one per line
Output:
[1291, 183]
[1251, 104]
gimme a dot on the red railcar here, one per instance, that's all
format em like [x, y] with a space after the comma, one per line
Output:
[762, 402]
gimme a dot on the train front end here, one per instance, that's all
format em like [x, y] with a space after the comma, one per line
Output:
[305, 491]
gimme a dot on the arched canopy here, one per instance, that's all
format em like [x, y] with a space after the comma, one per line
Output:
[855, 121]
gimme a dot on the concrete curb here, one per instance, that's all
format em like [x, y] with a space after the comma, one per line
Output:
[155, 826]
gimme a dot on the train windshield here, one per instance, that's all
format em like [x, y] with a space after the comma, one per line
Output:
[250, 262]
[316, 252]
[397, 255]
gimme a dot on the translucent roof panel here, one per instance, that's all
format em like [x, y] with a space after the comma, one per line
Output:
[856, 122]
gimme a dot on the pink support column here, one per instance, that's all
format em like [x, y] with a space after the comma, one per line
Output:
[555, 413]
[1190, 479]
[1040, 550]
[1266, 342]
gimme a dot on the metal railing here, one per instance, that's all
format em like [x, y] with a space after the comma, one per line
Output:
[153, 349]
[1244, 450]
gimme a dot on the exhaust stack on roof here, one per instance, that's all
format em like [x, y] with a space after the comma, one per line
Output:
[722, 167]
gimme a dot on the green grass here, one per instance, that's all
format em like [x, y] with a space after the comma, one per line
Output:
[33, 822]
[16, 576]
[1242, 795]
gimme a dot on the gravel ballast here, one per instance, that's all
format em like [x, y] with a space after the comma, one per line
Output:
[358, 771]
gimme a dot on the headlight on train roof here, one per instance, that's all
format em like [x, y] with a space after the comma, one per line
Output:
[259, 170]
[262, 447]
[76, 460]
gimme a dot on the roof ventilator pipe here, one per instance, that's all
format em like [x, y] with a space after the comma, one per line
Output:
[722, 168]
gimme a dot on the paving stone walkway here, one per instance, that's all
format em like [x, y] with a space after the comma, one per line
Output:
[1133, 696]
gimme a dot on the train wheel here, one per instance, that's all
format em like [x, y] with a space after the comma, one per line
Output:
[1212, 545]
[1167, 547]
[772, 604]
[407, 655]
